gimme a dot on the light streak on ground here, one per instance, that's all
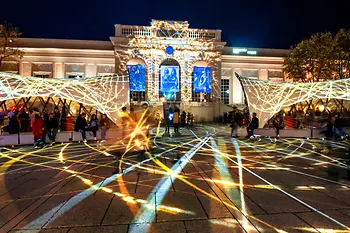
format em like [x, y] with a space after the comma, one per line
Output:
[321, 230]
[225, 175]
[291, 196]
[163, 186]
[60, 155]
[272, 166]
[61, 209]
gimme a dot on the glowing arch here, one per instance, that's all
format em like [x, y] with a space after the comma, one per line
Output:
[107, 94]
[267, 98]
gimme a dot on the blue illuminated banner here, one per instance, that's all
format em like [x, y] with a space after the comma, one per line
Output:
[137, 77]
[169, 78]
[202, 79]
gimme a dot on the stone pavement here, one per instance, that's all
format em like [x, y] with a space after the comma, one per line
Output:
[202, 181]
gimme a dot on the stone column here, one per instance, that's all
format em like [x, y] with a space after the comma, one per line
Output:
[25, 68]
[90, 70]
[263, 74]
[58, 70]
[237, 90]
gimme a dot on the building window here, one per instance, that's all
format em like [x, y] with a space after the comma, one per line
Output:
[250, 73]
[225, 91]
[196, 96]
[75, 76]
[42, 75]
[137, 95]
[276, 75]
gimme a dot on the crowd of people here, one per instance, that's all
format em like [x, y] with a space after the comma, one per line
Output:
[83, 126]
[49, 123]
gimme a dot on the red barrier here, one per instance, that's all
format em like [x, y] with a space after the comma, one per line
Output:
[69, 124]
[289, 121]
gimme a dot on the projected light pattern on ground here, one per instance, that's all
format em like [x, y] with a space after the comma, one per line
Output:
[107, 94]
[236, 183]
[267, 98]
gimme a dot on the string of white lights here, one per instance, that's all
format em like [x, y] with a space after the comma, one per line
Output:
[267, 98]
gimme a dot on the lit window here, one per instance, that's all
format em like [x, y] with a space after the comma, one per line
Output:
[225, 91]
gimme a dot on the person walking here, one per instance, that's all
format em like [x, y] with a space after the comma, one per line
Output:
[81, 125]
[278, 124]
[37, 125]
[51, 126]
[254, 124]
[104, 124]
[93, 125]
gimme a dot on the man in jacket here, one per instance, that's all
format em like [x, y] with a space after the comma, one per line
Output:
[81, 125]
[254, 124]
[51, 126]
[13, 126]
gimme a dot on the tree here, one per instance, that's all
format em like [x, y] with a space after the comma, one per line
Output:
[320, 58]
[8, 43]
[342, 53]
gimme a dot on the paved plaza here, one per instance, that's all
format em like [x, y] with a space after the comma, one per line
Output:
[202, 181]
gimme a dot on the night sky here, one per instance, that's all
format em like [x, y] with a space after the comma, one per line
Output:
[245, 23]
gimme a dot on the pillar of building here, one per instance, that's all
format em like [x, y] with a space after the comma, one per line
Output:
[263, 74]
[58, 70]
[236, 91]
[25, 68]
[90, 70]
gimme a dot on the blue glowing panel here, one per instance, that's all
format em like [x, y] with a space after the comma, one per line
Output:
[137, 77]
[202, 79]
[169, 78]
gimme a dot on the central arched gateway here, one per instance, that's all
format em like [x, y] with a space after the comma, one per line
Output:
[170, 80]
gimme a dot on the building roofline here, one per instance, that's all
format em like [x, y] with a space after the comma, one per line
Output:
[64, 44]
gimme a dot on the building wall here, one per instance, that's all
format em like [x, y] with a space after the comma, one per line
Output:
[265, 68]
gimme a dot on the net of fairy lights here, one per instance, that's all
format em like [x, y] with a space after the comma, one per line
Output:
[107, 94]
[268, 97]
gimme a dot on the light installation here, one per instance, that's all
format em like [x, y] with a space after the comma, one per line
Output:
[137, 77]
[208, 144]
[267, 98]
[106, 94]
[174, 40]
[202, 79]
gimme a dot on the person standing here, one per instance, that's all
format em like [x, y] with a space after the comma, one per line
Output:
[13, 126]
[81, 125]
[176, 121]
[124, 120]
[104, 124]
[278, 124]
[37, 125]
[254, 124]
[57, 116]
[24, 120]
[51, 126]
[133, 117]
[93, 125]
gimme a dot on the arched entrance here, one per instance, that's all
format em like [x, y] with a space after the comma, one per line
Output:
[170, 80]
[137, 70]
[201, 82]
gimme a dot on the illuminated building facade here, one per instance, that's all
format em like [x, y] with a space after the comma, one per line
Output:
[166, 60]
